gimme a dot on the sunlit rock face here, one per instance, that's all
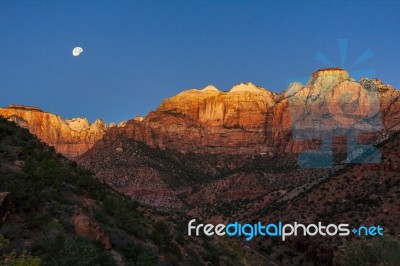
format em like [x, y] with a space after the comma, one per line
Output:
[244, 105]
[328, 76]
[69, 137]
[246, 119]
[207, 121]
[332, 101]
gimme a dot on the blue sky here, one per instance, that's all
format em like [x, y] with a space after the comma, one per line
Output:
[136, 53]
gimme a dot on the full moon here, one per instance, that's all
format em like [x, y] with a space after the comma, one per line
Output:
[77, 51]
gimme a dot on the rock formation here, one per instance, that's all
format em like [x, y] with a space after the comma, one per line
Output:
[236, 138]
[87, 227]
[69, 137]
[207, 121]
[251, 120]
[245, 120]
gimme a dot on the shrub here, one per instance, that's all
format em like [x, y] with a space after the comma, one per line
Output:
[374, 251]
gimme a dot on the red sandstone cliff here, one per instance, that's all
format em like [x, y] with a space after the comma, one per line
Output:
[207, 121]
[245, 120]
[251, 120]
[69, 137]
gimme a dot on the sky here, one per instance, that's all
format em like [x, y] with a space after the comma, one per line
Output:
[137, 53]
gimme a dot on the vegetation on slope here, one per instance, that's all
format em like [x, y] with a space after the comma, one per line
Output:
[361, 194]
[46, 190]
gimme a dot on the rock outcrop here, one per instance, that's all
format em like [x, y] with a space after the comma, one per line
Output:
[69, 137]
[5, 206]
[87, 227]
[207, 121]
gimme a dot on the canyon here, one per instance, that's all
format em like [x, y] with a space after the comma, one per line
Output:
[201, 143]
[221, 156]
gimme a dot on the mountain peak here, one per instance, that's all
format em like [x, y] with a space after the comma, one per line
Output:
[25, 107]
[210, 88]
[326, 77]
[247, 86]
[329, 71]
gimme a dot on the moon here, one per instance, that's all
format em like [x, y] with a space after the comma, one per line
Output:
[77, 51]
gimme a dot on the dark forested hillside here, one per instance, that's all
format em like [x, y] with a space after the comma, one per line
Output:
[59, 215]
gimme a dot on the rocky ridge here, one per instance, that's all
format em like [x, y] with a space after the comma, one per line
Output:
[71, 137]
[206, 121]
[251, 120]
[245, 120]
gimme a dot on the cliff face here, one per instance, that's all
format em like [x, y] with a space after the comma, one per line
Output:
[207, 121]
[251, 120]
[245, 120]
[69, 137]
